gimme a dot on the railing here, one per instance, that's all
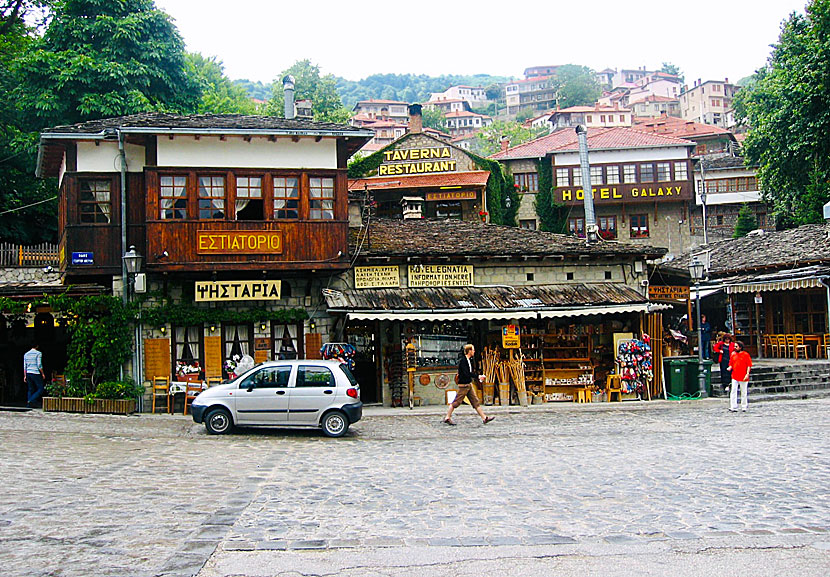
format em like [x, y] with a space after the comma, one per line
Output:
[38, 255]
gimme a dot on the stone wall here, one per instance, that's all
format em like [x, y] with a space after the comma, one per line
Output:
[29, 274]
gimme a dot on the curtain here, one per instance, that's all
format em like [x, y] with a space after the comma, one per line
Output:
[286, 345]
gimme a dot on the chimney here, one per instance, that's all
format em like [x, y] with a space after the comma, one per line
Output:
[288, 90]
[413, 207]
[726, 81]
[505, 143]
[416, 122]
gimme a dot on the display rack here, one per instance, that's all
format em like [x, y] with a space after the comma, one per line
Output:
[435, 350]
[560, 364]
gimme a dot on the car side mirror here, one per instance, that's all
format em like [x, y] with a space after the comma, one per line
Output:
[250, 387]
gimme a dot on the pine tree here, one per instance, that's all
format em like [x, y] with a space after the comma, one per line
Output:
[746, 222]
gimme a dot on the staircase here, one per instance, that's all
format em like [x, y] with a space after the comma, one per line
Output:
[780, 378]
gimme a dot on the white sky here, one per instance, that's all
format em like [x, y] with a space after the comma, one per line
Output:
[256, 39]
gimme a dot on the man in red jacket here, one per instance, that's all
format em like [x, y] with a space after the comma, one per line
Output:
[739, 363]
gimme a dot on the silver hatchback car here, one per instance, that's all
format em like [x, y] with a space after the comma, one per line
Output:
[297, 393]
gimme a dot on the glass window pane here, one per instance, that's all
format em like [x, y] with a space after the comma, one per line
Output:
[211, 197]
[663, 172]
[173, 197]
[286, 197]
[647, 172]
[630, 173]
[309, 376]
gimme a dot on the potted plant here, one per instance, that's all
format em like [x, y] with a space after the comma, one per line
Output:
[188, 371]
[112, 397]
[230, 366]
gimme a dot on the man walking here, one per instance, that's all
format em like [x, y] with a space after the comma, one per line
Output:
[466, 374]
[740, 363]
[33, 375]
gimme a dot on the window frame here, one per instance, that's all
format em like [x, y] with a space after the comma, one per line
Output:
[210, 199]
[300, 381]
[97, 210]
[647, 172]
[560, 181]
[322, 199]
[629, 174]
[575, 224]
[612, 174]
[636, 231]
[608, 232]
[274, 198]
[663, 173]
[186, 197]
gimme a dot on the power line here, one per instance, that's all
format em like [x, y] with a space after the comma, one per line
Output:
[28, 205]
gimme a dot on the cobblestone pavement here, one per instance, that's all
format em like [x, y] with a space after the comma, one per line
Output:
[403, 494]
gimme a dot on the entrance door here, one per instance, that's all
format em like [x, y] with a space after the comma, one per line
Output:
[366, 367]
[262, 398]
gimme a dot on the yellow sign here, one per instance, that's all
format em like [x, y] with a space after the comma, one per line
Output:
[376, 277]
[510, 337]
[454, 195]
[402, 161]
[668, 293]
[238, 242]
[433, 275]
[625, 192]
[238, 290]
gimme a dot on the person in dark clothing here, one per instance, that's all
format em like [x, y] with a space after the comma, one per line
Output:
[466, 374]
[723, 350]
[705, 336]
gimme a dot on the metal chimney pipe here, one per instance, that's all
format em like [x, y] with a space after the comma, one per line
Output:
[588, 196]
[288, 90]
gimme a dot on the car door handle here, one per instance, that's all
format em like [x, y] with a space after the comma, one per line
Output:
[328, 391]
[280, 392]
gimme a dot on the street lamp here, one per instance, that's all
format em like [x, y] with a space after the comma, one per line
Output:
[132, 261]
[696, 272]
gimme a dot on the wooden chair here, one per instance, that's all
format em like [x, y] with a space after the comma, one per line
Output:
[773, 345]
[161, 388]
[770, 346]
[191, 391]
[213, 381]
[782, 346]
[798, 344]
[613, 387]
[826, 346]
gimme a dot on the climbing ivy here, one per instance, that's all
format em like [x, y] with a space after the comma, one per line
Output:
[553, 216]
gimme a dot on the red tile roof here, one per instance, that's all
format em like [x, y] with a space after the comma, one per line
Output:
[473, 178]
[378, 101]
[654, 98]
[458, 113]
[591, 109]
[677, 127]
[565, 140]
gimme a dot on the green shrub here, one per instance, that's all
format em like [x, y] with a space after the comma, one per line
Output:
[126, 389]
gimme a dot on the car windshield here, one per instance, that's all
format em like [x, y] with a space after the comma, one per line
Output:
[347, 371]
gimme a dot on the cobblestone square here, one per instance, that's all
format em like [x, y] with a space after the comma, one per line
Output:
[608, 488]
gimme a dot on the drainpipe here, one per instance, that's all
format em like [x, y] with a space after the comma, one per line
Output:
[587, 194]
[823, 281]
[122, 159]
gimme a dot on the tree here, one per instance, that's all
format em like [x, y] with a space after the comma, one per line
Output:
[219, 94]
[488, 139]
[746, 222]
[100, 58]
[577, 85]
[786, 109]
[669, 68]
[309, 84]
[433, 117]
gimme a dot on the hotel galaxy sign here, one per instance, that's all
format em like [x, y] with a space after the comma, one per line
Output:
[662, 192]
[417, 161]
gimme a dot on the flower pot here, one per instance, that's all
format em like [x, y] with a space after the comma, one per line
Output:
[188, 377]
[79, 405]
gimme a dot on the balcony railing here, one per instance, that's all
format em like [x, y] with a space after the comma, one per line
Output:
[24, 256]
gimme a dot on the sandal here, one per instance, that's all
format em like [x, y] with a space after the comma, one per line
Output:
[488, 419]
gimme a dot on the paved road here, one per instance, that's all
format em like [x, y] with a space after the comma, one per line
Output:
[610, 489]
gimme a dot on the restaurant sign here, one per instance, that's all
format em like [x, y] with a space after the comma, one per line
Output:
[435, 275]
[377, 277]
[238, 290]
[452, 195]
[626, 193]
[668, 293]
[416, 161]
[238, 242]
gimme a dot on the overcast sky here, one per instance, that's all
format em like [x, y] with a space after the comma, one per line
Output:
[258, 39]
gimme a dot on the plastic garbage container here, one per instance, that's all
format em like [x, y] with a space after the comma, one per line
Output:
[675, 370]
[692, 385]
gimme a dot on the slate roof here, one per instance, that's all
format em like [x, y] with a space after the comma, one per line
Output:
[725, 162]
[229, 122]
[678, 127]
[452, 238]
[565, 140]
[793, 248]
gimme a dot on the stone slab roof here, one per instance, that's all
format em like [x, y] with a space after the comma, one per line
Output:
[793, 248]
[459, 239]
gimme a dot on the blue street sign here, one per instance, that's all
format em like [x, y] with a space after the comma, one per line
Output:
[83, 258]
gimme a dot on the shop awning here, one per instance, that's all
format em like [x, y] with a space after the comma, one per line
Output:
[778, 285]
[705, 292]
[486, 302]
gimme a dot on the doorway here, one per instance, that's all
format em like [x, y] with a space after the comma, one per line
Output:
[366, 370]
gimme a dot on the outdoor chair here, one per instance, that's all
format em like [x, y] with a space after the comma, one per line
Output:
[213, 381]
[770, 346]
[798, 344]
[827, 346]
[782, 346]
[191, 390]
[613, 387]
[161, 388]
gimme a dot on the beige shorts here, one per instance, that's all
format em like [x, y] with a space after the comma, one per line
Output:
[466, 391]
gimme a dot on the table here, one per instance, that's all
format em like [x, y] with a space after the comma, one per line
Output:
[181, 386]
[814, 340]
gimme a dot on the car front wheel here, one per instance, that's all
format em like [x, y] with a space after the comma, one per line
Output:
[218, 422]
[335, 424]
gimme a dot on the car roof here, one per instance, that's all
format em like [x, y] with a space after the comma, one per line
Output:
[319, 362]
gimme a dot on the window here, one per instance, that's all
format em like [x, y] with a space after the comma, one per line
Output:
[321, 198]
[608, 275]
[187, 347]
[95, 201]
[622, 118]
[589, 118]
[663, 171]
[576, 226]
[681, 171]
[630, 173]
[530, 276]
[563, 177]
[527, 182]
[286, 197]
[249, 203]
[211, 197]
[268, 378]
[528, 224]
[596, 175]
[173, 197]
[448, 210]
[639, 225]
[237, 342]
[577, 177]
[809, 313]
[602, 118]
[569, 276]
[287, 345]
[719, 220]
[607, 227]
[647, 172]
[309, 376]
[612, 175]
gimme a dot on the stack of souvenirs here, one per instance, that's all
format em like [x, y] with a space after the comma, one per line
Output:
[343, 352]
[636, 367]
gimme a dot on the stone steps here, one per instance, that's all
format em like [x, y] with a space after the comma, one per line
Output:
[786, 379]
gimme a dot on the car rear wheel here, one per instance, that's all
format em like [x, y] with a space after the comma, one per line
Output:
[335, 424]
[218, 422]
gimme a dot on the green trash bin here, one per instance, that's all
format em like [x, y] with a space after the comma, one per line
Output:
[676, 371]
[692, 386]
